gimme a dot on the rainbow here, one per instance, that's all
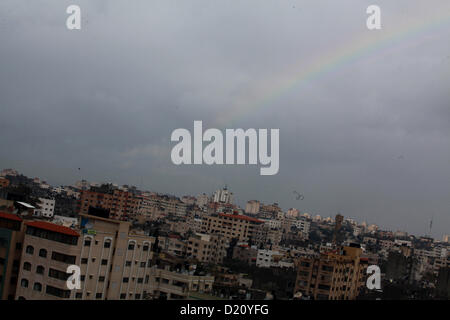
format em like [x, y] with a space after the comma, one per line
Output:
[366, 44]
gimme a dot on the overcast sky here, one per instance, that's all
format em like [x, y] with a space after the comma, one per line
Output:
[364, 116]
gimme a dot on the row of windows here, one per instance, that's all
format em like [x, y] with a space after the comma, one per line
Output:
[61, 257]
[36, 287]
[53, 273]
[53, 236]
[49, 289]
[39, 269]
[42, 252]
[107, 244]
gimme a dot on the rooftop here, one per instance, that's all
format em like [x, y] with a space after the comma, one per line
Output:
[10, 216]
[52, 227]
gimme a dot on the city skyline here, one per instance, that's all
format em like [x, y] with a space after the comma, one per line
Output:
[242, 204]
[363, 115]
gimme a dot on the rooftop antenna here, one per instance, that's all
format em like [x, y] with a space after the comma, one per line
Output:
[431, 225]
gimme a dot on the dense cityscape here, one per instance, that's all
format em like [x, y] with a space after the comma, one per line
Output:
[132, 245]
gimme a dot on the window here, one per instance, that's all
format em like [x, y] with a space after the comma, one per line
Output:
[57, 292]
[101, 279]
[125, 280]
[127, 263]
[142, 264]
[145, 248]
[30, 250]
[140, 280]
[131, 246]
[137, 296]
[24, 283]
[79, 295]
[84, 260]
[40, 270]
[87, 243]
[57, 274]
[37, 287]
[98, 295]
[43, 253]
[107, 244]
[123, 296]
[104, 262]
[61, 257]
[27, 266]
[51, 235]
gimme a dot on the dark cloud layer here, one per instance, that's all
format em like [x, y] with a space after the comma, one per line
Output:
[370, 137]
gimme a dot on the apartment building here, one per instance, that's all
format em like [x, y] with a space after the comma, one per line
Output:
[232, 226]
[252, 207]
[335, 275]
[46, 208]
[12, 232]
[169, 205]
[115, 203]
[207, 248]
[173, 244]
[171, 285]
[114, 260]
[267, 258]
[48, 250]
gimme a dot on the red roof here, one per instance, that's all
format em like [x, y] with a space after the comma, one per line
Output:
[52, 227]
[10, 216]
[241, 217]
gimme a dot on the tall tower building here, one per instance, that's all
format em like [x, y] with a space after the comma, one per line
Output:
[223, 196]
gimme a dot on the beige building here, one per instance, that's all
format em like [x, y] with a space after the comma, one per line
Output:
[252, 207]
[207, 248]
[233, 226]
[11, 242]
[172, 285]
[336, 275]
[48, 250]
[120, 204]
[115, 261]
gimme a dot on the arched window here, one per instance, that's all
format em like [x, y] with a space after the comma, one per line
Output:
[27, 266]
[40, 269]
[131, 246]
[30, 250]
[43, 253]
[37, 287]
[107, 244]
[24, 283]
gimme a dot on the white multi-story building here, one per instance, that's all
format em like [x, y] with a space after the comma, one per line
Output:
[303, 225]
[46, 208]
[272, 223]
[223, 195]
[265, 258]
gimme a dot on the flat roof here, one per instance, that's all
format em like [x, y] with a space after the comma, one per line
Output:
[52, 227]
[10, 216]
